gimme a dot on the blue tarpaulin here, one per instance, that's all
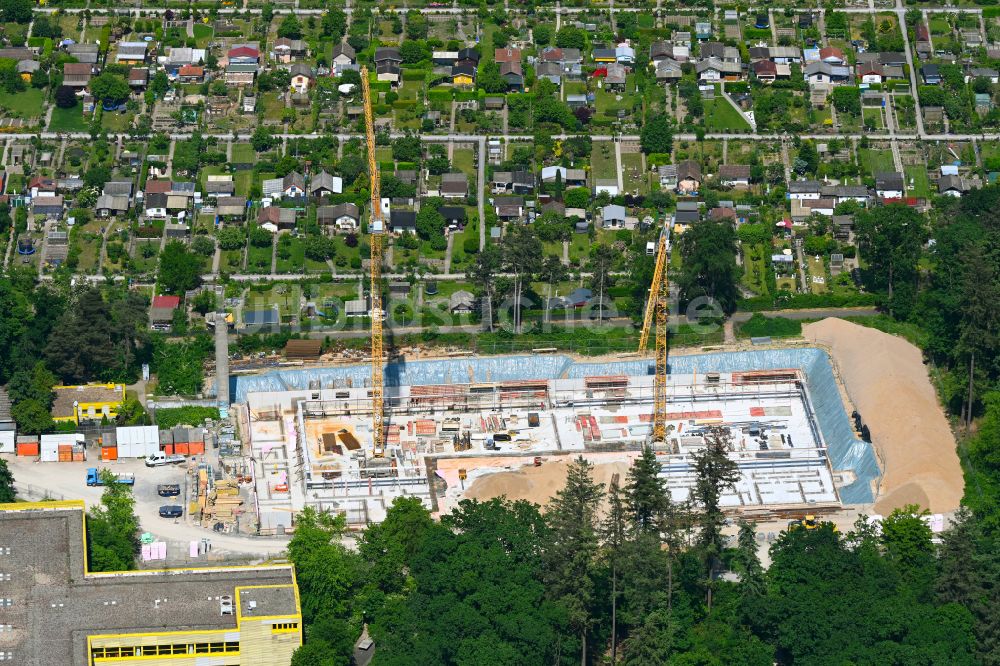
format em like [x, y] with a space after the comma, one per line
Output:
[845, 450]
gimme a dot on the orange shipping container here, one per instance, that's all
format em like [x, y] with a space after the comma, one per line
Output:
[66, 457]
[181, 448]
[168, 449]
[79, 456]
[109, 453]
[66, 448]
[196, 448]
[27, 449]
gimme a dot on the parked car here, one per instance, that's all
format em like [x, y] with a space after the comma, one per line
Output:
[168, 489]
[157, 459]
[171, 511]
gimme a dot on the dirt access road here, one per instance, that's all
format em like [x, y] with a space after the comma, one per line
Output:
[887, 381]
[68, 480]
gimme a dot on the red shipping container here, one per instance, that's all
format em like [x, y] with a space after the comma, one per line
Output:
[27, 448]
[168, 449]
[109, 453]
[181, 448]
[196, 448]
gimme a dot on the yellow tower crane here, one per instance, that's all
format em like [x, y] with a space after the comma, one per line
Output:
[658, 308]
[376, 229]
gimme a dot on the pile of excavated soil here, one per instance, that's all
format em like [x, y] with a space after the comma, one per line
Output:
[539, 484]
[888, 383]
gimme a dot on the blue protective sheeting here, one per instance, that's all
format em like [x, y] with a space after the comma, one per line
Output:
[846, 451]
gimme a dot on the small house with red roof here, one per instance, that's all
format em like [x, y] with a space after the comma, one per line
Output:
[161, 314]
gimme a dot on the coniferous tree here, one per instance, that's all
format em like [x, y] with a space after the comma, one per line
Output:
[614, 532]
[572, 547]
[715, 473]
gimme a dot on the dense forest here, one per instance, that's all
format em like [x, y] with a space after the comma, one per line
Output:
[624, 575]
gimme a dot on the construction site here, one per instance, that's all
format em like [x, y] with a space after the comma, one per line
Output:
[312, 438]
[351, 439]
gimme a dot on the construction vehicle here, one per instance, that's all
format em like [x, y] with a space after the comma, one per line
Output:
[377, 231]
[808, 521]
[94, 477]
[658, 309]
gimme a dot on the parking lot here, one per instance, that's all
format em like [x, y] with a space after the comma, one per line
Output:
[68, 480]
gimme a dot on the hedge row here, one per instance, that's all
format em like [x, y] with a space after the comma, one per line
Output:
[806, 301]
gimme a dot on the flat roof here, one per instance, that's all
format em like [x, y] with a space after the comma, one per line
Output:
[67, 395]
[56, 604]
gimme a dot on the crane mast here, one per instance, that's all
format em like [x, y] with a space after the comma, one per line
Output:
[376, 229]
[658, 310]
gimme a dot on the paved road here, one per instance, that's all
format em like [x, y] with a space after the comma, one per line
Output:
[69, 481]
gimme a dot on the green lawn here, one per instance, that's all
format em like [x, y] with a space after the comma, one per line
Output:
[113, 121]
[575, 88]
[27, 103]
[876, 160]
[635, 179]
[243, 153]
[873, 118]
[608, 104]
[817, 270]
[203, 34]
[259, 259]
[291, 254]
[143, 264]
[231, 261]
[921, 183]
[458, 255]
[603, 162]
[409, 89]
[242, 180]
[464, 161]
[720, 116]
[68, 120]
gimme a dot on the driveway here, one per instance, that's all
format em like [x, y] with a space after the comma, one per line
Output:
[67, 480]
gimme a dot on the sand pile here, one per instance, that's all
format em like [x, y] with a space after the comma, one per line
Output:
[886, 379]
[539, 484]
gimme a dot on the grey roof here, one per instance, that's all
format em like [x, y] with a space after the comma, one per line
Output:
[340, 210]
[888, 180]
[112, 202]
[219, 186]
[718, 65]
[613, 212]
[843, 191]
[734, 172]
[294, 179]
[301, 69]
[320, 181]
[344, 49]
[231, 203]
[387, 54]
[118, 187]
[689, 169]
[951, 182]
[402, 219]
[260, 317]
[58, 605]
[804, 186]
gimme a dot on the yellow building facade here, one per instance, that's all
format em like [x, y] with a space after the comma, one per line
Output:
[58, 612]
[87, 402]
